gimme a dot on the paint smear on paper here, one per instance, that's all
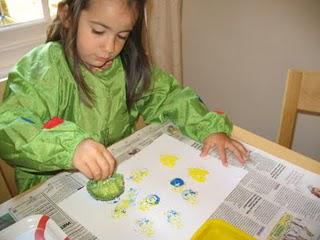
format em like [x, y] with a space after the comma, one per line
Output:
[198, 174]
[145, 227]
[168, 160]
[138, 175]
[149, 202]
[173, 218]
[121, 209]
[190, 196]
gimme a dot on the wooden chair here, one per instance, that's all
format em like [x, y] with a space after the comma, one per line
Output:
[7, 177]
[302, 94]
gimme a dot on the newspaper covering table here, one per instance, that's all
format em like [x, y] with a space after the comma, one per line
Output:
[275, 200]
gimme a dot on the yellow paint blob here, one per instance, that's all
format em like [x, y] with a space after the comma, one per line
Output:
[168, 160]
[198, 174]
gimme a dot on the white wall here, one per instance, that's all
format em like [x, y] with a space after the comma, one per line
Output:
[236, 55]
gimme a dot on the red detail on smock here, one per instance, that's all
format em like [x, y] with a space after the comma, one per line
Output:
[55, 121]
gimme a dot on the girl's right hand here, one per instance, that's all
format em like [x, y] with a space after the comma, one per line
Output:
[93, 160]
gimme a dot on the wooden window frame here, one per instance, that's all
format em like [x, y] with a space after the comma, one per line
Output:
[17, 39]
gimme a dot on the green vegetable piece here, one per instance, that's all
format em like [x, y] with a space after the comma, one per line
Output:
[107, 189]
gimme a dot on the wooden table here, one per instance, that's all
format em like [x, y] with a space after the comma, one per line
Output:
[276, 149]
[270, 147]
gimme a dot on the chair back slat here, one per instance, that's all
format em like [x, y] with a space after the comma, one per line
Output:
[302, 94]
[7, 178]
[2, 86]
[309, 99]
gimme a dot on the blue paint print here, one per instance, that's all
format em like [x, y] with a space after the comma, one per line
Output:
[153, 199]
[149, 202]
[190, 196]
[177, 182]
[173, 218]
[132, 195]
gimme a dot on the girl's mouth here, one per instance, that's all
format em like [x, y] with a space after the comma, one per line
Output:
[105, 63]
[103, 59]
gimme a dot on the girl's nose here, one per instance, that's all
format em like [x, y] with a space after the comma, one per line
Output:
[109, 46]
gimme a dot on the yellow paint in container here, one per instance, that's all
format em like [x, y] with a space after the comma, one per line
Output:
[218, 229]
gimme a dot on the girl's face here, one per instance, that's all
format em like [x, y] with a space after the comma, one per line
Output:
[102, 32]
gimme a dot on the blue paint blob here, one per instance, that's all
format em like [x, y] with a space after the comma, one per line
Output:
[177, 182]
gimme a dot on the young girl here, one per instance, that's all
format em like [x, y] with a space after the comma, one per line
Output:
[85, 88]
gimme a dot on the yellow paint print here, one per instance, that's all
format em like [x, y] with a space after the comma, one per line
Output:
[138, 175]
[145, 227]
[198, 174]
[121, 209]
[168, 160]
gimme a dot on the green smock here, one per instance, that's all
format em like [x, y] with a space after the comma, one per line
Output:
[41, 86]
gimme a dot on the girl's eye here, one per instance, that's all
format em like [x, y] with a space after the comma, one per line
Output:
[123, 37]
[97, 32]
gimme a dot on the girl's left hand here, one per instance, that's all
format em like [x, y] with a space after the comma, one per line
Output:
[223, 142]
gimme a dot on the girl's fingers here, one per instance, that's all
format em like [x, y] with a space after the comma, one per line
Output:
[222, 154]
[205, 149]
[86, 171]
[222, 142]
[111, 161]
[104, 166]
[93, 159]
[236, 152]
[240, 147]
[94, 168]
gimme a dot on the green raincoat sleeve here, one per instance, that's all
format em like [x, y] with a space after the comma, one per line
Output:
[31, 99]
[168, 101]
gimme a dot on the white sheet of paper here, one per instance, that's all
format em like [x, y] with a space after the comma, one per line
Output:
[175, 216]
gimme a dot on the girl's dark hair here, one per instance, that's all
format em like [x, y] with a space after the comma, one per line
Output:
[133, 55]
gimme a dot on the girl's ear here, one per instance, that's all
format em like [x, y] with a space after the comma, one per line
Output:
[63, 13]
